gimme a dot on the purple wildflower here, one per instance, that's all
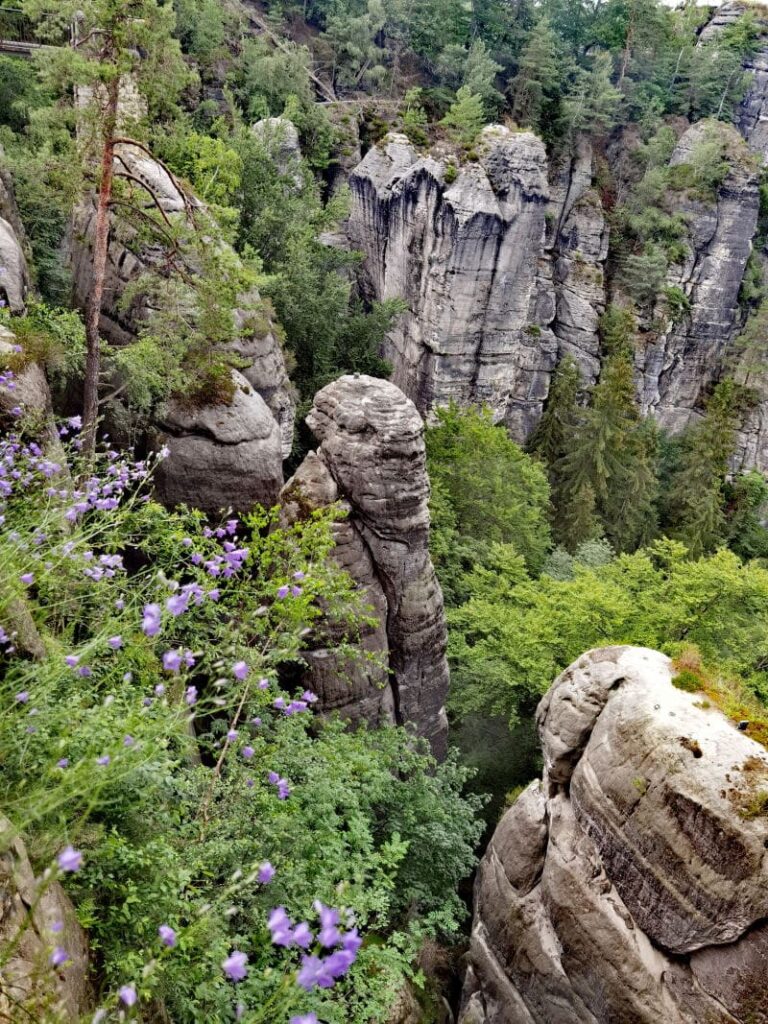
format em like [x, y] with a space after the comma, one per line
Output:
[235, 966]
[59, 957]
[70, 859]
[280, 927]
[151, 621]
[103, 761]
[302, 936]
[22, 697]
[127, 995]
[27, 578]
[283, 592]
[305, 1018]
[232, 735]
[240, 670]
[63, 762]
[248, 752]
[167, 935]
[115, 642]
[191, 695]
[172, 661]
[266, 873]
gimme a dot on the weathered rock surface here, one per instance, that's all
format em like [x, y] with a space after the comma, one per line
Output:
[464, 256]
[14, 273]
[577, 246]
[29, 988]
[678, 365]
[371, 457]
[130, 258]
[629, 884]
[221, 456]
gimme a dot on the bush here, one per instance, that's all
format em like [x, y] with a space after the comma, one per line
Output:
[165, 690]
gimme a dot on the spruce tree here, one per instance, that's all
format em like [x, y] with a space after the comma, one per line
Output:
[537, 86]
[695, 507]
[610, 461]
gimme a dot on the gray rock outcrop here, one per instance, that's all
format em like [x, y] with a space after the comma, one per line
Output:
[371, 458]
[630, 883]
[31, 989]
[462, 250]
[14, 273]
[220, 456]
[678, 365]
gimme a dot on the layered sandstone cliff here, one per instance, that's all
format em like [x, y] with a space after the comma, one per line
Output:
[630, 883]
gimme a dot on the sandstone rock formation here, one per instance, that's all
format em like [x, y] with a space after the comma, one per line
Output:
[14, 273]
[678, 365]
[221, 456]
[131, 257]
[31, 989]
[371, 458]
[630, 883]
[464, 256]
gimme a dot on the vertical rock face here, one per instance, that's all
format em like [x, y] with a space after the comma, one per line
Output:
[129, 258]
[679, 364]
[31, 989]
[14, 273]
[221, 456]
[371, 457]
[578, 247]
[629, 884]
[462, 250]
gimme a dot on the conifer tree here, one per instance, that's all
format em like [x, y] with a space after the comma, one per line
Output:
[610, 460]
[465, 118]
[114, 42]
[536, 87]
[553, 435]
[695, 505]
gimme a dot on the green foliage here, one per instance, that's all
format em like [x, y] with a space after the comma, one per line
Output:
[604, 473]
[694, 503]
[485, 491]
[465, 118]
[173, 828]
[515, 634]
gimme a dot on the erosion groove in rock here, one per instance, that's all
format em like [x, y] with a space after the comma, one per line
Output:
[679, 364]
[629, 884]
[371, 457]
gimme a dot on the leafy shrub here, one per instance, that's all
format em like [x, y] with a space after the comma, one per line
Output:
[165, 691]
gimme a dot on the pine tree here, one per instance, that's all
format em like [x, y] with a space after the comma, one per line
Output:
[610, 459]
[480, 73]
[554, 433]
[117, 42]
[577, 520]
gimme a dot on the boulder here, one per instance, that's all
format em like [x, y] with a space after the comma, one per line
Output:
[630, 884]
[220, 456]
[371, 458]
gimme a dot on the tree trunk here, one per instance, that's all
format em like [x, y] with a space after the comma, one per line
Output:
[98, 274]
